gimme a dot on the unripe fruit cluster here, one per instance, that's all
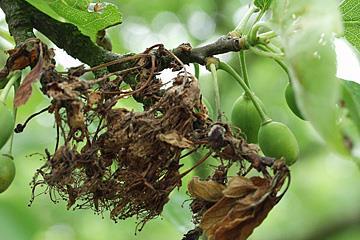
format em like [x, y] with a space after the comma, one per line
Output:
[275, 139]
[245, 116]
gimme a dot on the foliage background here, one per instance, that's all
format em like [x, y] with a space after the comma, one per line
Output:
[324, 194]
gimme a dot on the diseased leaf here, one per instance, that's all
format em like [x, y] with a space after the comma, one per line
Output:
[209, 191]
[351, 17]
[239, 187]
[263, 4]
[89, 17]
[25, 89]
[308, 43]
[235, 217]
[43, 61]
[21, 57]
[175, 139]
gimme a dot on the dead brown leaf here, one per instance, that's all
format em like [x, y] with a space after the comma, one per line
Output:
[175, 139]
[43, 61]
[21, 57]
[245, 205]
[209, 191]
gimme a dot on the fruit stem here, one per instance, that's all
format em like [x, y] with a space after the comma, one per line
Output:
[216, 90]
[284, 67]
[267, 35]
[16, 87]
[8, 86]
[227, 68]
[241, 26]
[12, 134]
[261, 52]
[279, 61]
[243, 68]
[259, 16]
[253, 37]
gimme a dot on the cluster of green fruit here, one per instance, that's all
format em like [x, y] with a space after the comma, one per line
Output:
[274, 138]
[7, 121]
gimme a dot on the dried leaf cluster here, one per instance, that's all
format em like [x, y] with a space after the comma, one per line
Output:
[109, 158]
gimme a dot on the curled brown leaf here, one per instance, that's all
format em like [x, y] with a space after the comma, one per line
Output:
[244, 206]
[209, 191]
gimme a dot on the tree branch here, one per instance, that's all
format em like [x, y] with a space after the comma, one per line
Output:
[20, 25]
[22, 18]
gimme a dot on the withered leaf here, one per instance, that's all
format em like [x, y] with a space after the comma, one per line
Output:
[239, 187]
[175, 139]
[43, 61]
[210, 190]
[25, 89]
[94, 98]
[24, 55]
[245, 205]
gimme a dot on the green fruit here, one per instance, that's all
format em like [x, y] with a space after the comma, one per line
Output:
[6, 124]
[7, 172]
[245, 116]
[291, 101]
[276, 140]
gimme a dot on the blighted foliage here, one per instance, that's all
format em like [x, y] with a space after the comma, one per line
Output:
[109, 158]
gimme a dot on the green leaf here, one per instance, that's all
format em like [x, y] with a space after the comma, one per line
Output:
[307, 29]
[263, 4]
[351, 17]
[81, 13]
[351, 97]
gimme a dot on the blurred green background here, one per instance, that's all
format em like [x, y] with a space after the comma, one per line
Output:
[323, 201]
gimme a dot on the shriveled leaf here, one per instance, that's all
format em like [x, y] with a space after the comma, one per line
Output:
[25, 89]
[209, 191]
[351, 17]
[21, 57]
[175, 139]
[239, 187]
[43, 61]
[89, 17]
[263, 4]
[234, 218]
[307, 30]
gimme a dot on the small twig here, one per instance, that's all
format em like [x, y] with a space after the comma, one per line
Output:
[202, 160]
[20, 127]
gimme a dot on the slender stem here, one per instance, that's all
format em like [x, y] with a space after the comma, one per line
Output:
[279, 61]
[12, 134]
[216, 90]
[284, 67]
[241, 26]
[201, 161]
[227, 68]
[244, 68]
[260, 52]
[254, 30]
[267, 35]
[197, 70]
[15, 110]
[8, 86]
[259, 16]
